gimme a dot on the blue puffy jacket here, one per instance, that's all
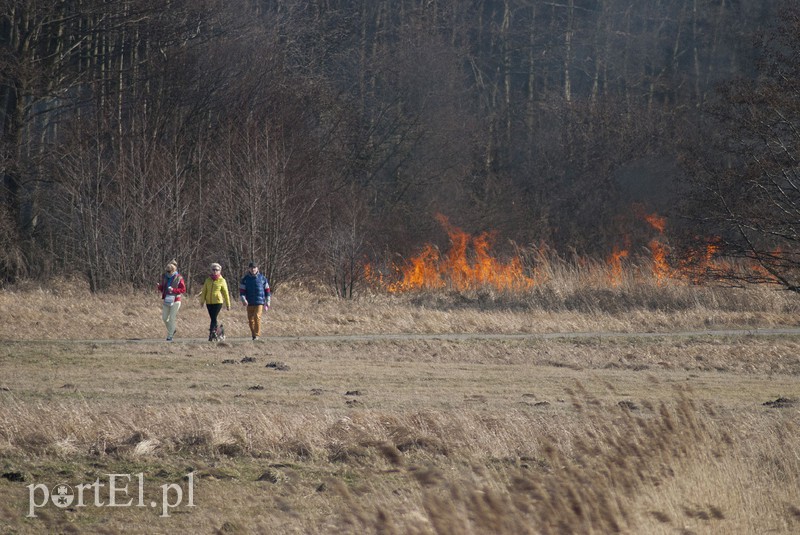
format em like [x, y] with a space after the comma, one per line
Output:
[255, 288]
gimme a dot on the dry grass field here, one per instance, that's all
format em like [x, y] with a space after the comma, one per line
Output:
[583, 434]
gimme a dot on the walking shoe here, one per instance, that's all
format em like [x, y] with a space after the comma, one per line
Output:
[169, 339]
[255, 338]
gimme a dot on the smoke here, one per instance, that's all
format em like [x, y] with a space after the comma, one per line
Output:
[651, 182]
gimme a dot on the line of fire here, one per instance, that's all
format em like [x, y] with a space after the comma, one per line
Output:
[469, 264]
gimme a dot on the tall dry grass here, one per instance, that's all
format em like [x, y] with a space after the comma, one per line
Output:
[626, 468]
[671, 469]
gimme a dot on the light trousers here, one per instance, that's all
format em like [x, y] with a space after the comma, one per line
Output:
[169, 314]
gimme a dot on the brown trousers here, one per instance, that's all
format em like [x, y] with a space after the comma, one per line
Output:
[254, 318]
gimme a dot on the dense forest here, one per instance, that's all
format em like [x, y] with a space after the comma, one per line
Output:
[315, 135]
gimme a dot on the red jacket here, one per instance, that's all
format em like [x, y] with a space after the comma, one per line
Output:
[178, 286]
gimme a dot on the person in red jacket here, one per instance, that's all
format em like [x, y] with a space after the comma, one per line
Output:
[171, 287]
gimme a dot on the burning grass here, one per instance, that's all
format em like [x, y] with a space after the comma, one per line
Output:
[470, 264]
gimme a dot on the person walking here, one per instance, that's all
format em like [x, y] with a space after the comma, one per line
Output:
[255, 294]
[171, 287]
[214, 294]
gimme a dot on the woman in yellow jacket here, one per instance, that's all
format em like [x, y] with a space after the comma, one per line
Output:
[214, 295]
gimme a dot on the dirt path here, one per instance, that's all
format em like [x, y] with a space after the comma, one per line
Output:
[787, 331]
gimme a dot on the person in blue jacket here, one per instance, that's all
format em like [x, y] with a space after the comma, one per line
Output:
[254, 293]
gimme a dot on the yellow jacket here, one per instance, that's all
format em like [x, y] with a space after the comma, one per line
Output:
[215, 292]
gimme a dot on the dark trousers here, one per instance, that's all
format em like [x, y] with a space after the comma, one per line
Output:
[213, 312]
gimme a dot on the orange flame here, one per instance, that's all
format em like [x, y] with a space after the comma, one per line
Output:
[697, 262]
[615, 265]
[462, 268]
[659, 251]
[661, 269]
[656, 221]
[422, 272]
[765, 274]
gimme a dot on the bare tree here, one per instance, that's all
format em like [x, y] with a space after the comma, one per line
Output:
[271, 205]
[745, 174]
[85, 183]
[344, 248]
